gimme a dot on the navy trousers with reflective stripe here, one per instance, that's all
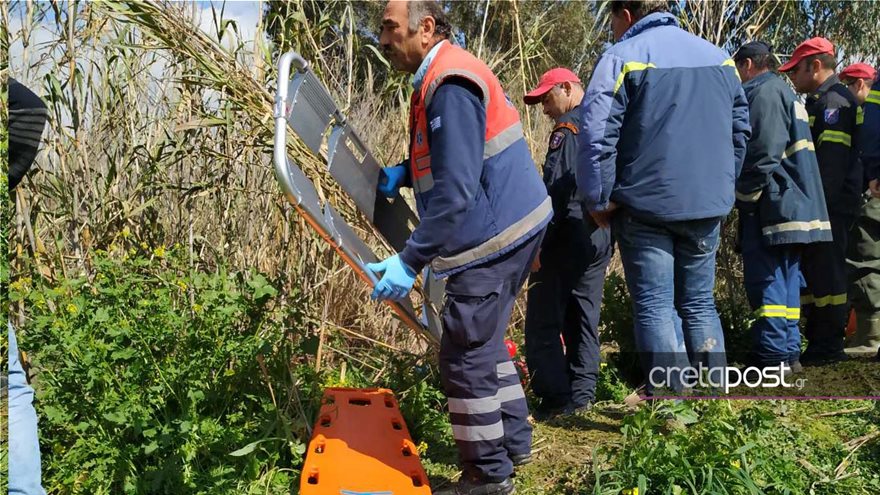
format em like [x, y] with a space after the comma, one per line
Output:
[824, 301]
[487, 405]
[773, 284]
[565, 297]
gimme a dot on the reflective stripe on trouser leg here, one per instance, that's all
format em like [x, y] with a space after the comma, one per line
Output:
[478, 306]
[768, 277]
[514, 408]
[795, 282]
[824, 268]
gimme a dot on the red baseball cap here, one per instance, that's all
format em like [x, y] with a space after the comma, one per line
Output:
[550, 78]
[813, 46]
[858, 71]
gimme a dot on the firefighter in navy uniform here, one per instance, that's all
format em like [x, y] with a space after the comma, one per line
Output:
[871, 143]
[565, 288]
[832, 114]
[781, 206]
[864, 251]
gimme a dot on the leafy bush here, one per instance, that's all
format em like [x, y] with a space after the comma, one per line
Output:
[715, 447]
[150, 377]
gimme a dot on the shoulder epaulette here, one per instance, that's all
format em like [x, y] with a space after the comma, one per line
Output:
[566, 125]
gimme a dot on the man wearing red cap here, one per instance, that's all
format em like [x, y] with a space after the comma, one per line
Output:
[832, 117]
[858, 78]
[781, 206]
[870, 142]
[565, 288]
[864, 254]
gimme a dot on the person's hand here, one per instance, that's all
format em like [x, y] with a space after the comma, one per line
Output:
[395, 283]
[536, 263]
[390, 180]
[603, 217]
[875, 187]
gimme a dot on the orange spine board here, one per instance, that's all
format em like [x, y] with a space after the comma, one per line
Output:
[360, 446]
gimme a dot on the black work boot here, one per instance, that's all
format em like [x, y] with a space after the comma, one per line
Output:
[549, 409]
[574, 409]
[521, 459]
[822, 358]
[470, 486]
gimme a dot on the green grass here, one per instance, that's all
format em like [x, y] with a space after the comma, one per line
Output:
[149, 382]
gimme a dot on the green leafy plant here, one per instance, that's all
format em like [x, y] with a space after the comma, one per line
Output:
[151, 378]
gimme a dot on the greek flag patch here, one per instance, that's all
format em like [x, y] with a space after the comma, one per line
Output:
[435, 123]
[832, 115]
[556, 140]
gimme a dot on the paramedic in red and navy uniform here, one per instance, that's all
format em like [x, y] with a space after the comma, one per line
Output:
[483, 210]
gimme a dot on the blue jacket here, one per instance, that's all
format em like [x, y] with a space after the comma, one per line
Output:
[780, 178]
[869, 136]
[559, 173]
[665, 125]
[478, 208]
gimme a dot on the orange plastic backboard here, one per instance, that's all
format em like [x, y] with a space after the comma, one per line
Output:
[361, 446]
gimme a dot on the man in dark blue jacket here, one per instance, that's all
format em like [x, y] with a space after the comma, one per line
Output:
[832, 114]
[864, 254]
[871, 145]
[483, 211]
[781, 206]
[661, 144]
[565, 288]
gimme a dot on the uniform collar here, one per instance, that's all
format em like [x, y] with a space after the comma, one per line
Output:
[825, 86]
[419, 76]
[758, 80]
[573, 116]
[656, 19]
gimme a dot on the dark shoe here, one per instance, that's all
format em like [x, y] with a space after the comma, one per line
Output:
[823, 358]
[572, 409]
[473, 487]
[549, 410]
[521, 459]
[796, 367]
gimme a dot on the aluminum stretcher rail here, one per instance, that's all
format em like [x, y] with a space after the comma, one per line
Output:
[305, 104]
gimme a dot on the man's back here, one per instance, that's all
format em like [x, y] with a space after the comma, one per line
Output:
[665, 125]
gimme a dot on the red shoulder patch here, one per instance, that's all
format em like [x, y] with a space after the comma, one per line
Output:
[567, 125]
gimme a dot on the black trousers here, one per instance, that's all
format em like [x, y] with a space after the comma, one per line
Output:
[564, 298]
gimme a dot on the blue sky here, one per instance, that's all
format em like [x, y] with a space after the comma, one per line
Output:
[246, 14]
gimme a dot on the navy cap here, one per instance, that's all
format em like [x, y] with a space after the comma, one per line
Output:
[752, 49]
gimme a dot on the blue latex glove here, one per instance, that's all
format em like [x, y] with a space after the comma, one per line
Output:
[390, 180]
[397, 281]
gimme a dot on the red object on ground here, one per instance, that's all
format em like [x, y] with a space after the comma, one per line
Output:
[851, 323]
[361, 445]
[511, 347]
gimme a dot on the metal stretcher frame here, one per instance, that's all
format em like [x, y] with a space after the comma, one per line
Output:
[301, 193]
